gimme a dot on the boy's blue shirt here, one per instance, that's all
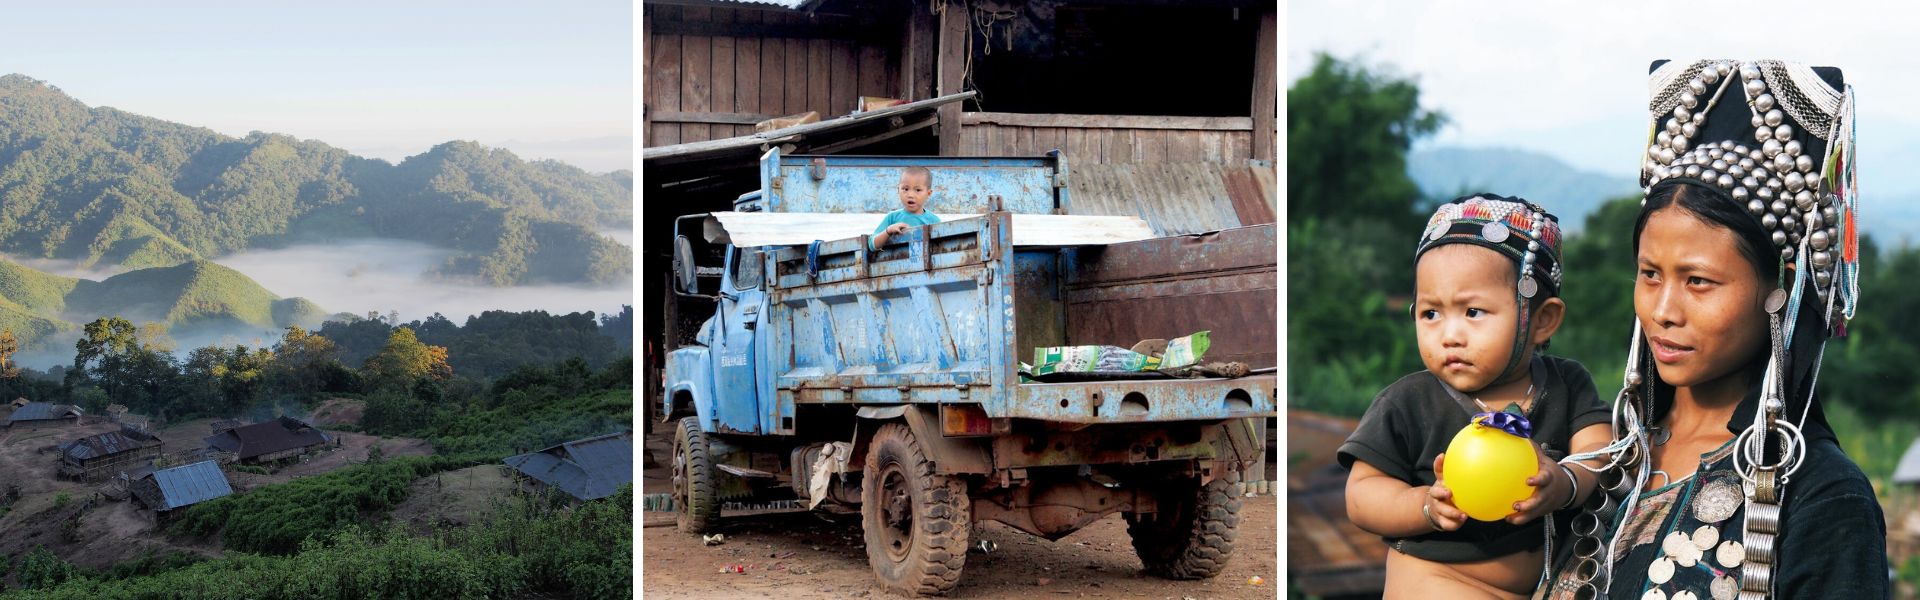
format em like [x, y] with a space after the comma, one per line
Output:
[900, 215]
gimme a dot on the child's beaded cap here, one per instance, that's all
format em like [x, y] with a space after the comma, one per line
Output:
[1518, 229]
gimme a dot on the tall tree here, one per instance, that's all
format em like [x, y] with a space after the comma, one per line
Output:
[300, 361]
[404, 360]
[8, 346]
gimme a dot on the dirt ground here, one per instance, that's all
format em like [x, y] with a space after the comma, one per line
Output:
[809, 556]
[108, 531]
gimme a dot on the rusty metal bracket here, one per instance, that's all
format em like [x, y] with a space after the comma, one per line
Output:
[818, 169]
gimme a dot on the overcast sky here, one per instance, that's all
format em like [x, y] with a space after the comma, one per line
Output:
[1569, 78]
[380, 79]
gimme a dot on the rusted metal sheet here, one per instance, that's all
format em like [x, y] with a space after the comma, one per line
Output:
[1224, 281]
[1143, 400]
[1107, 445]
[1177, 199]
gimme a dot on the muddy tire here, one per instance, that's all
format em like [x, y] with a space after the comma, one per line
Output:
[1192, 535]
[916, 523]
[695, 502]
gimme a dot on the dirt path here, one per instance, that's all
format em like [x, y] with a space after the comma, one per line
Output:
[805, 556]
[801, 556]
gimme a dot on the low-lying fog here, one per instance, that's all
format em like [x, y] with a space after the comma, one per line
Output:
[359, 276]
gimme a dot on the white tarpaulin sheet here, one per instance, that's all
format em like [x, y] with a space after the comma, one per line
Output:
[788, 229]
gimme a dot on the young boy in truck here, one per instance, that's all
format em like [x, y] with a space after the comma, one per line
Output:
[916, 185]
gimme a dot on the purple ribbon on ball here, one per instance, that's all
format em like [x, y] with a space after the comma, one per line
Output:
[1508, 422]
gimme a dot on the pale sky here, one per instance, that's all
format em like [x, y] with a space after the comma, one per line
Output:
[1569, 78]
[379, 79]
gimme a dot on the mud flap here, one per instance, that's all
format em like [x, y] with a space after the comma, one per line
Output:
[1239, 447]
[949, 455]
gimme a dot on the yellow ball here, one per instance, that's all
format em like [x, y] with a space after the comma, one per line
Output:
[1487, 469]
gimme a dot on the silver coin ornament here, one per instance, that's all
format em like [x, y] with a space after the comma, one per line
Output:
[1730, 554]
[1661, 571]
[1724, 587]
[1528, 287]
[1494, 231]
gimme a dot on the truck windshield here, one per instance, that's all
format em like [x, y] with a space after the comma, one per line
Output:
[746, 269]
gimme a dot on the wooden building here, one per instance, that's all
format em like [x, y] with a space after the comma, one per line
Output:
[280, 439]
[32, 416]
[1113, 82]
[100, 457]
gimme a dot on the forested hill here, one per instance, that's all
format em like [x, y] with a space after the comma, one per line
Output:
[113, 189]
[188, 298]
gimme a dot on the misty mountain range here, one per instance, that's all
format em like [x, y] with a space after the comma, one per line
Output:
[1570, 193]
[113, 190]
[197, 298]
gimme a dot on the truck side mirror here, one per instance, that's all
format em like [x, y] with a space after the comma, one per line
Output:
[683, 267]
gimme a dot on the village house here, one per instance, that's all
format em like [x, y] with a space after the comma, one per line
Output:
[100, 457]
[35, 415]
[587, 469]
[168, 490]
[275, 440]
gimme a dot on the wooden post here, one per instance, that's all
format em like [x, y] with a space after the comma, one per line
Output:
[917, 54]
[951, 69]
[1265, 89]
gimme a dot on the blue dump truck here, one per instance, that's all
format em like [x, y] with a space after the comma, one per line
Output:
[888, 381]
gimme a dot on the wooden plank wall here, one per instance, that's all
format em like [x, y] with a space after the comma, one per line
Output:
[1110, 145]
[703, 87]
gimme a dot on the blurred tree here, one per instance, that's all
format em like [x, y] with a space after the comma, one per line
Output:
[1350, 232]
[1348, 131]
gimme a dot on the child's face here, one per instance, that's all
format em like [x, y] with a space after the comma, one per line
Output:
[914, 192]
[1463, 314]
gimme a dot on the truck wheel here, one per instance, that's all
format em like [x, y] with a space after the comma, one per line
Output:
[916, 523]
[1192, 535]
[694, 500]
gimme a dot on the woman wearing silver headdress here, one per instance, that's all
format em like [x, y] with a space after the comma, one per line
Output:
[1724, 479]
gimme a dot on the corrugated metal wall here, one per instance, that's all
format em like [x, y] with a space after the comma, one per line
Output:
[1176, 199]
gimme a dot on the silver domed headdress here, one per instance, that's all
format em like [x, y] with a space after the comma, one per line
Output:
[1777, 140]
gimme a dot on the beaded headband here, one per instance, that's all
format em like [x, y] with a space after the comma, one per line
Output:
[1790, 165]
[1516, 228]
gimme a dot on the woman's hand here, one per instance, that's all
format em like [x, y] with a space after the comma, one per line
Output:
[1549, 493]
[1441, 512]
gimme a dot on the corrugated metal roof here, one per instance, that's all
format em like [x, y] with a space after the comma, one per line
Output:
[1909, 469]
[273, 436]
[587, 469]
[190, 484]
[42, 411]
[1176, 199]
[106, 444]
